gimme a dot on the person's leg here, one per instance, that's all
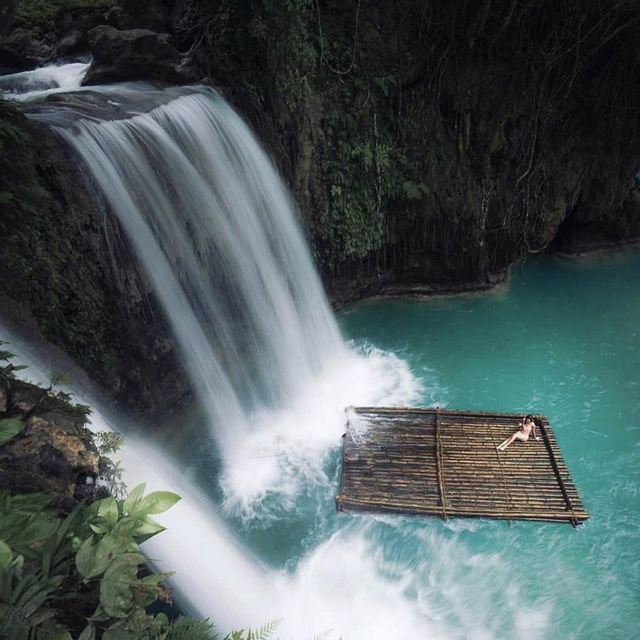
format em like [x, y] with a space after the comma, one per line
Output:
[518, 435]
[503, 445]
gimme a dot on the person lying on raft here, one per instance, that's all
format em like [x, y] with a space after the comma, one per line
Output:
[526, 427]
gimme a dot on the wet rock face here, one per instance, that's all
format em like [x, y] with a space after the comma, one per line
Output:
[7, 11]
[152, 14]
[54, 454]
[48, 458]
[68, 276]
[133, 54]
[440, 156]
[21, 50]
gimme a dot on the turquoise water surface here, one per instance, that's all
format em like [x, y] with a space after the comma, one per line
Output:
[563, 340]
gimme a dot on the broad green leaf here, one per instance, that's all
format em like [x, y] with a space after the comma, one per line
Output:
[158, 502]
[162, 619]
[124, 530]
[89, 633]
[149, 528]
[10, 428]
[108, 511]
[86, 557]
[155, 579]
[100, 529]
[61, 634]
[92, 559]
[5, 555]
[121, 634]
[33, 502]
[134, 498]
[116, 595]
[99, 615]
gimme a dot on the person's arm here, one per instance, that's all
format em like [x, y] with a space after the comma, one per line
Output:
[535, 435]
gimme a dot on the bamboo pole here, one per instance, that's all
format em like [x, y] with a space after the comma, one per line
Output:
[440, 469]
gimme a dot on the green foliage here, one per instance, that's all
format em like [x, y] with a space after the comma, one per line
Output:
[24, 612]
[82, 576]
[35, 548]
[10, 428]
[268, 43]
[108, 442]
[264, 632]
[42, 14]
[91, 560]
[83, 410]
[366, 174]
[9, 370]
[184, 628]
[59, 379]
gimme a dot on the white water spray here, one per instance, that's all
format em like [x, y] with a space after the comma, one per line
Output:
[44, 81]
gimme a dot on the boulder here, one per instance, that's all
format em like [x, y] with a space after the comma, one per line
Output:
[22, 51]
[134, 54]
[7, 11]
[54, 453]
[49, 457]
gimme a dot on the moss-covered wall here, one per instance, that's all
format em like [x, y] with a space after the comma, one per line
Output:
[435, 142]
[66, 271]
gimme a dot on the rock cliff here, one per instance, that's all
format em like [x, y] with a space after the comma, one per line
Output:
[67, 273]
[53, 453]
[429, 146]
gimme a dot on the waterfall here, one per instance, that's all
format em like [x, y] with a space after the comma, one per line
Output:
[215, 230]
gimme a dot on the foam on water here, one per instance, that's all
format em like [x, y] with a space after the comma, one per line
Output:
[347, 589]
[44, 81]
[286, 451]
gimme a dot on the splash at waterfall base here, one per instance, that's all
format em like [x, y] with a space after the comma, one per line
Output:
[445, 463]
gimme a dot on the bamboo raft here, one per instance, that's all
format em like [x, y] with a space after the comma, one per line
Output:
[445, 463]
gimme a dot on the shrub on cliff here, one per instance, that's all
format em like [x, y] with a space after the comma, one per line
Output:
[42, 14]
[83, 576]
[79, 575]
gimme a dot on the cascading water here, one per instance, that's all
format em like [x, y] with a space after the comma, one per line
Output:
[215, 230]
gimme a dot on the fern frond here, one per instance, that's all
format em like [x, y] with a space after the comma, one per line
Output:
[264, 632]
[185, 628]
